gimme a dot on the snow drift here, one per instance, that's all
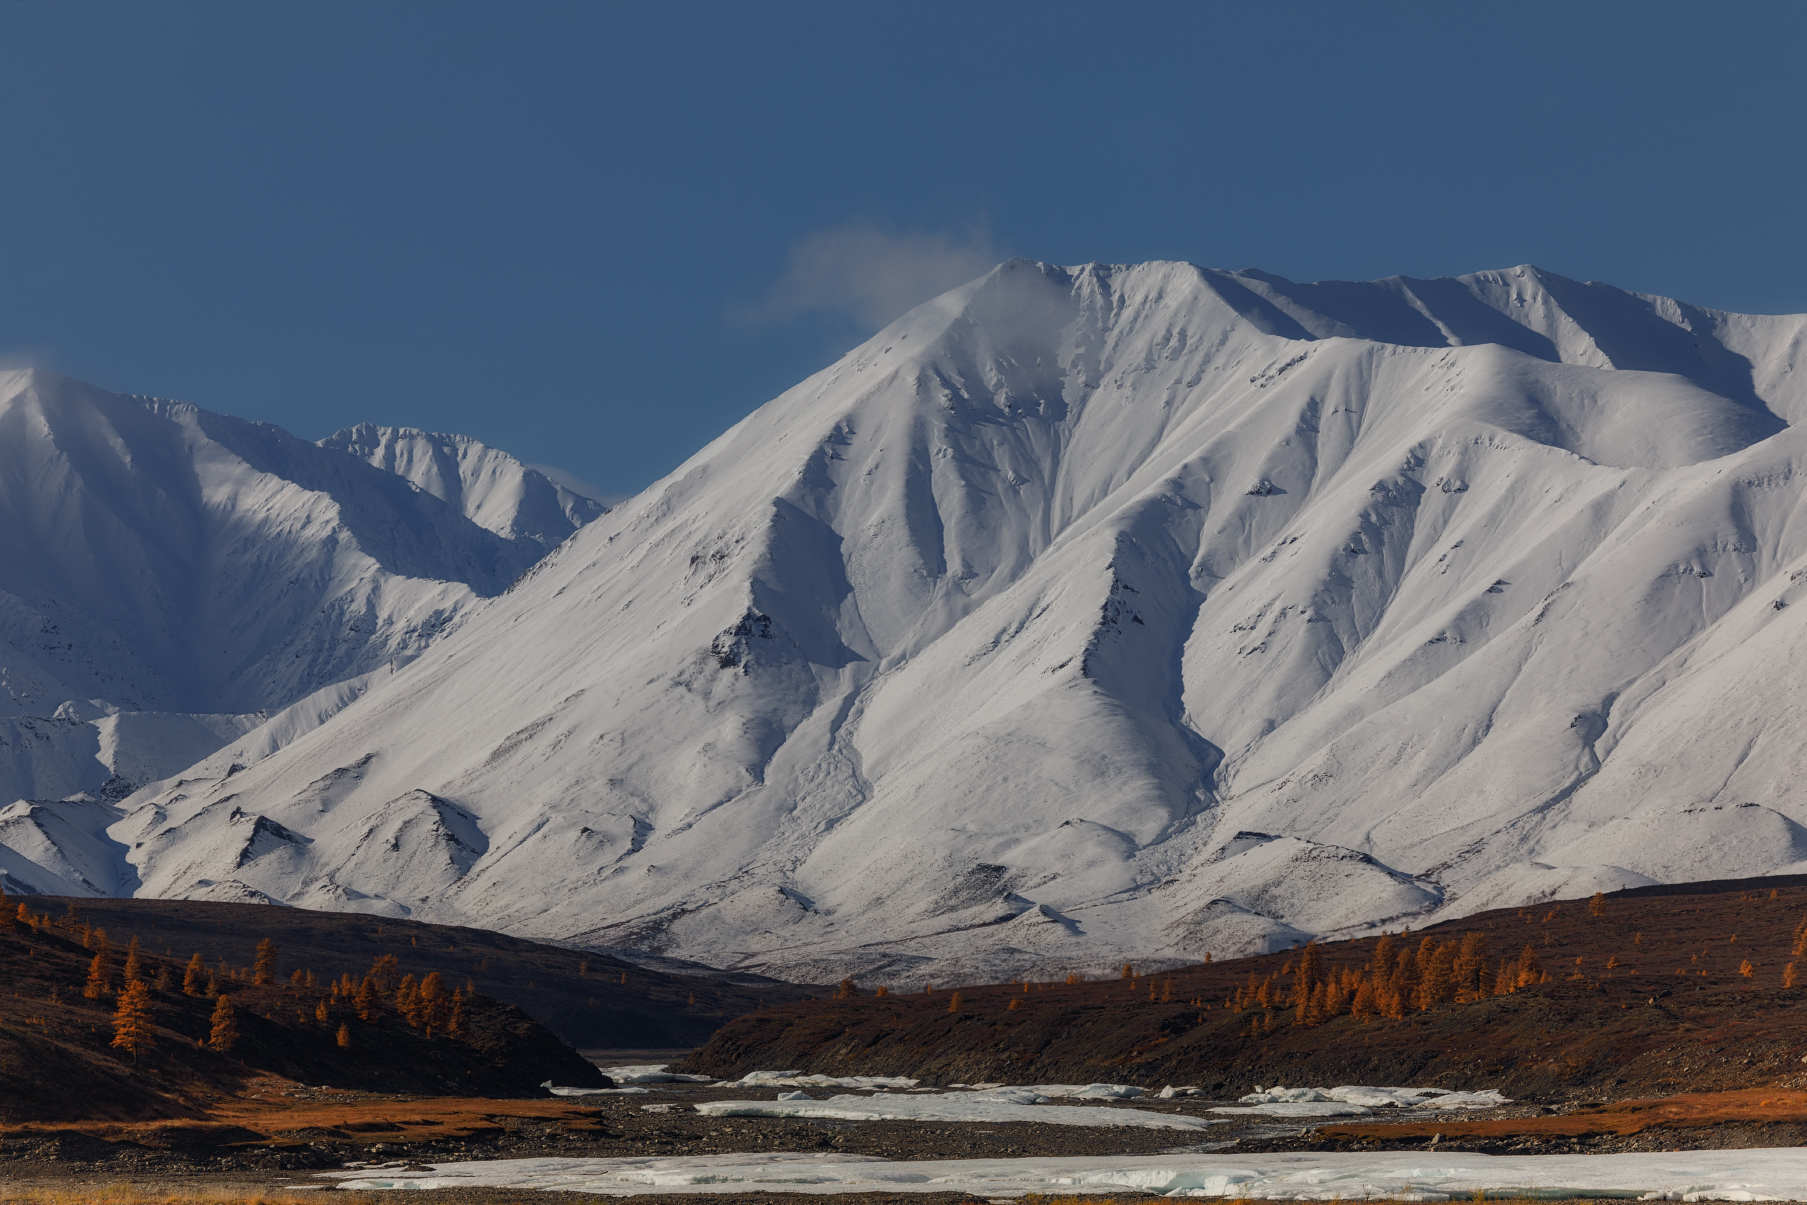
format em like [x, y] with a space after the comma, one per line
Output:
[1103, 612]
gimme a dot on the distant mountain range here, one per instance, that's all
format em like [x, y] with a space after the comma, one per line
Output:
[170, 577]
[1081, 614]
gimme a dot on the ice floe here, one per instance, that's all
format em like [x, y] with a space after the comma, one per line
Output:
[996, 1104]
[1297, 1108]
[1378, 1098]
[793, 1079]
[1774, 1174]
[898, 1083]
[627, 1091]
[1356, 1101]
[652, 1073]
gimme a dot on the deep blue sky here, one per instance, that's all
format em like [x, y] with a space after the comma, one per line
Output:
[596, 234]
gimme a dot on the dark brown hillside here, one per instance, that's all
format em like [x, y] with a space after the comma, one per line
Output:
[1670, 989]
[581, 997]
[58, 1061]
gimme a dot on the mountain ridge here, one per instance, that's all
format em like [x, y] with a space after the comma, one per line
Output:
[1106, 611]
[491, 488]
[173, 576]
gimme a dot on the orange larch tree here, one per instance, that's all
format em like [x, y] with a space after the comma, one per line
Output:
[132, 1028]
[224, 1034]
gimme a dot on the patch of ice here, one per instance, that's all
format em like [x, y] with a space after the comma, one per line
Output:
[791, 1079]
[1298, 1108]
[1774, 1174]
[652, 1073]
[998, 1104]
[630, 1091]
[798, 1095]
[1378, 1098]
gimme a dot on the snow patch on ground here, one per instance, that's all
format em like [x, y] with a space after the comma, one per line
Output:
[651, 1073]
[996, 1104]
[1380, 1098]
[791, 1079]
[1741, 1175]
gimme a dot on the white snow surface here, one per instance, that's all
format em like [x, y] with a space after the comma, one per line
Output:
[651, 1073]
[792, 1079]
[1775, 1174]
[996, 1104]
[1299, 1108]
[1378, 1098]
[1108, 612]
[490, 487]
[169, 578]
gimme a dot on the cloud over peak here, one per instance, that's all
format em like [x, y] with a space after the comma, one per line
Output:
[871, 274]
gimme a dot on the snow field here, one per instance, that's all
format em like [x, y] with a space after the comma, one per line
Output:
[1353, 1101]
[1742, 1175]
[629, 1090]
[651, 1073]
[791, 1079]
[995, 1104]
[895, 1098]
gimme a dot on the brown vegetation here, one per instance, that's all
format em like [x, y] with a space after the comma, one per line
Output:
[78, 1041]
[587, 999]
[1538, 1002]
[1693, 1110]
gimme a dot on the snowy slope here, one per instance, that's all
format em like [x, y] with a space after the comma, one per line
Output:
[169, 575]
[490, 487]
[1108, 611]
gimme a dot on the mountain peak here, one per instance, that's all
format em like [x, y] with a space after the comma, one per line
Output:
[1043, 600]
[490, 487]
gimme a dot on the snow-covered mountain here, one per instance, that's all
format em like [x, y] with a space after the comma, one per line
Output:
[1096, 612]
[169, 576]
[490, 487]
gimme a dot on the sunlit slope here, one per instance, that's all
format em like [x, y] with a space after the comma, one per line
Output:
[1105, 611]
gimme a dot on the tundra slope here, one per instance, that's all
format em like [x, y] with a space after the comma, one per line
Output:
[170, 576]
[1115, 610]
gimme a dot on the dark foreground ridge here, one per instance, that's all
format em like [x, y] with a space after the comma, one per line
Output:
[589, 1000]
[1656, 991]
[303, 1019]
[63, 1056]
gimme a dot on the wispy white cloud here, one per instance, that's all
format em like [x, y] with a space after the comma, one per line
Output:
[15, 359]
[871, 274]
[579, 485]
